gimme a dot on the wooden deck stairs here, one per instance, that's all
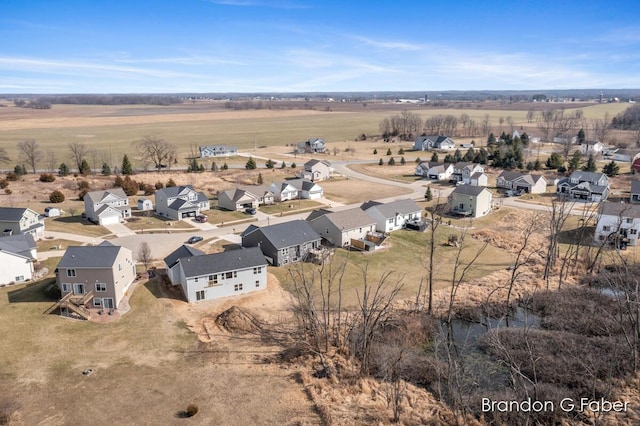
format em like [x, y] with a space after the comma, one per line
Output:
[73, 304]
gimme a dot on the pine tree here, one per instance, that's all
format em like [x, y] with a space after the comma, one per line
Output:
[269, 164]
[434, 157]
[403, 161]
[126, 166]
[389, 151]
[537, 165]
[214, 167]
[591, 165]
[554, 161]
[225, 166]
[401, 151]
[581, 136]
[251, 164]
[63, 170]
[457, 156]
[84, 168]
[611, 169]
[380, 163]
[293, 165]
[428, 196]
[260, 180]
[375, 151]
[283, 165]
[106, 170]
[392, 161]
[575, 161]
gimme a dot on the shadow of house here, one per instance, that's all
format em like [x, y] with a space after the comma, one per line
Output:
[38, 292]
[160, 286]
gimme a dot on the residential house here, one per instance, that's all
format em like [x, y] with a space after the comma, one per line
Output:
[144, 204]
[107, 207]
[591, 147]
[427, 143]
[564, 138]
[237, 199]
[264, 194]
[101, 275]
[434, 171]
[462, 171]
[635, 191]
[21, 220]
[230, 273]
[532, 184]
[311, 145]
[479, 179]
[618, 223]
[282, 243]
[339, 228]
[619, 155]
[307, 189]
[587, 186]
[470, 201]
[179, 202]
[218, 151]
[283, 191]
[393, 215]
[17, 256]
[172, 261]
[315, 170]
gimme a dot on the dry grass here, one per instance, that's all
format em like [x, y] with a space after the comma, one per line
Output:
[349, 191]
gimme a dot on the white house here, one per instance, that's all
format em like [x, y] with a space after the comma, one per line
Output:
[339, 228]
[618, 223]
[434, 171]
[52, 212]
[479, 179]
[312, 145]
[283, 191]
[427, 143]
[591, 147]
[315, 170]
[17, 255]
[307, 189]
[144, 204]
[218, 151]
[217, 275]
[21, 220]
[107, 207]
[394, 215]
[180, 202]
[462, 171]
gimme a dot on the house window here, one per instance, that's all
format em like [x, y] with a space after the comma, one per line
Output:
[195, 279]
[200, 295]
[228, 275]
[257, 270]
[606, 228]
[629, 220]
[213, 279]
[97, 301]
[257, 283]
[119, 266]
[237, 287]
[71, 272]
[101, 287]
[633, 231]
[66, 287]
[19, 278]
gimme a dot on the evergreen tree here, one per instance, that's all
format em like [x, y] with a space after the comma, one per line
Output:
[537, 165]
[283, 164]
[260, 180]
[201, 168]
[530, 165]
[193, 166]
[269, 164]
[401, 151]
[491, 140]
[293, 165]
[63, 170]
[84, 168]
[375, 151]
[591, 165]
[611, 169]
[20, 170]
[581, 136]
[428, 196]
[389, 151]
[392, 161]
[251, 164]
[403, 161]
[380, 163]
[434, 157]
[126, 169]
[449, 159]
[214, 167]
[482, 157]
[469, 155]
[497, 160]
[575, 161]
[524, 138]
[554, 161]
[106, 170]
[457, 156]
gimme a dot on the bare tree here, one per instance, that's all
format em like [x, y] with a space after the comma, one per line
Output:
[545, 123]
[486, 125]
[144, 254]
[530, 116]
[601, 127]
[78, 153]
[4, 157]
[30, 153]
[435, 215]
[157, 151]
[51, 160]
[558, 215]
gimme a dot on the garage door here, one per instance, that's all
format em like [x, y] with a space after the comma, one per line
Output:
[110, 220]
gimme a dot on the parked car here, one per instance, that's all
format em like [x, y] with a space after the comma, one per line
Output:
[194, 239]
[250, 210]
[201, 218]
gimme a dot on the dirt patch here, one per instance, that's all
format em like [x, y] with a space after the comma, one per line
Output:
[237, 320]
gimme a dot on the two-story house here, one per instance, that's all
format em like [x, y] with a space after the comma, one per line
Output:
[17, 256]
[107, 207]
[180, 202]
[434, 171]
[393, 215]
[532, 184]
[21, 220]
[230, 273]
[588, 186]
[591, 147]
[283, 191]
[635, 191]
[339, 228]
[618, 223]
[462, 171]
[96, 276]
[427, 143]
[315, 170]
[282, 243]
[470, 201]
[312, 145]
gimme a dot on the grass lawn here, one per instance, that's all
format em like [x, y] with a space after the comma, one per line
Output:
[75, 225]
[349, 191]
[141, 221]
[216, 216]
[55, 244]
[290, 207]
[397, 173]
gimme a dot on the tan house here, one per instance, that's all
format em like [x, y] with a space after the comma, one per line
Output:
[531, 184]
[470, 201]
[264, 194]
[237, 199]
[95, 276]
[315, 170]
[339, 228]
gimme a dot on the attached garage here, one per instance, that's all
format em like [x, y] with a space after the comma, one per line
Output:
[109, 220]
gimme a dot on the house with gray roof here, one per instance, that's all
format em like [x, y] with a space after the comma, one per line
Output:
[17, 256]
[588, 186]
[526, 182]
[262, 192]
[283, 191]
[282, 243]
[212, 151]
[315, 170]
[21, 220]
[307, 189]
[462, 171]
[237, 199]
[107, 207]
[434, 170]
[470, 201]
[618, 223]
[172, 260]
[427, 143]
[96, 276]
[393, 215]
[230, 273]
[180, 202]
[311, 145]
[340, 227]
[635, 191]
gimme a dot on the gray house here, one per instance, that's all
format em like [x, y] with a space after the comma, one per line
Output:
[393, 215]
[282, 243]
[311, 145]
[635, 191]
[427, 143]
[180, 202]
[230, 273]
[340, 227]
[315, 170]
[98, 276]
[107, 207]
[172, 260]
[586, 186]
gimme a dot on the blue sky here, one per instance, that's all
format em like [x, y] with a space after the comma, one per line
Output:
[170, 46]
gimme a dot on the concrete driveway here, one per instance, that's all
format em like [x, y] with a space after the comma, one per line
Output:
[119, 230]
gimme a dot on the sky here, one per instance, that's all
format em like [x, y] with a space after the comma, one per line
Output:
[217, 46]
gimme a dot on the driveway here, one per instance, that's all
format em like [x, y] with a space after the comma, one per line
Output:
[119, 230]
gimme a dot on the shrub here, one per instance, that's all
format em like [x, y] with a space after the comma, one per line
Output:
[7, 191]
[130, 186]
[83, 185]
[170, 183]
[149, 189]
[47, 177]
[117, 183]
[293, 165]
[159, 185]
[82, 193]
[56, 197]
[3, 183]
[12, 177]
[192, 410]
